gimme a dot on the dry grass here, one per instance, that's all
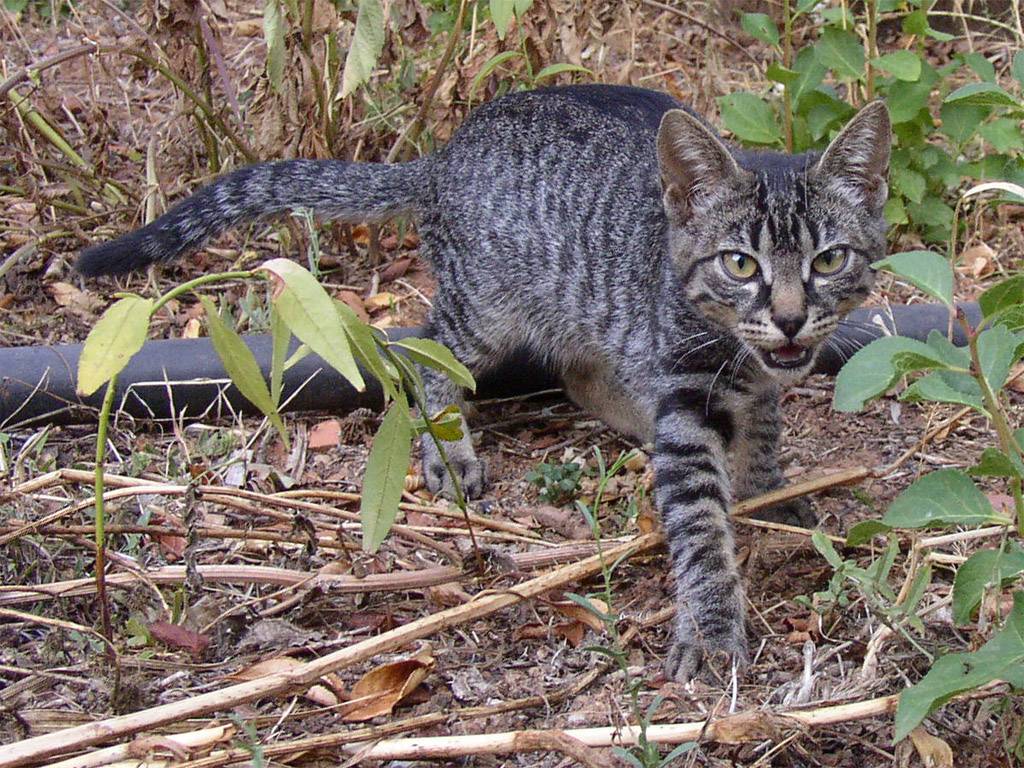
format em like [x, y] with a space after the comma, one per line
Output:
[249, 552]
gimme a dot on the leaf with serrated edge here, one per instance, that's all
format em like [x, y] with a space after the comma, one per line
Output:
[437, 356]
[928, 271]
[385, 474]
[310, 314]
[943, 497]
[241, 365]
[995, 463]
[982, 95]
[989, 567]
[1001, 658]
[946, 387]
[113, 341]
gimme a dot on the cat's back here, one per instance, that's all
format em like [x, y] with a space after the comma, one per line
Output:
[561, 159]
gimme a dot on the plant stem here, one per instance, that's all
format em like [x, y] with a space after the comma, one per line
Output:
[199, 281]
[101, 517]
[996, 414]
[871, 9]
[787, 62]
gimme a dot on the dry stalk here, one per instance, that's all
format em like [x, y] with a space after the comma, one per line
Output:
[40, 748]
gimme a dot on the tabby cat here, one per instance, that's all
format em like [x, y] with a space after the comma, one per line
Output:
[673, 283]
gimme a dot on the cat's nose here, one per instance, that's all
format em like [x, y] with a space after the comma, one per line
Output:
[790, 324]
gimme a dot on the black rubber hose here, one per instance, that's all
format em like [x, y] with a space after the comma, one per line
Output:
[184, 379]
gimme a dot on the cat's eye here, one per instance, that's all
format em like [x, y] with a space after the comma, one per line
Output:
[739, 265]
[831, 261]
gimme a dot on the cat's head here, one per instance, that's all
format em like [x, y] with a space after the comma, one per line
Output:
[776, 248]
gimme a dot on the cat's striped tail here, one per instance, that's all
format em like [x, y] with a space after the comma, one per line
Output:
[370, 192]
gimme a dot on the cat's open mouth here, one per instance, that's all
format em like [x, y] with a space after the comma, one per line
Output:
[789, 356]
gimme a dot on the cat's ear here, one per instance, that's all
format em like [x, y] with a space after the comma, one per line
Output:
[694, 163]
[856, 163]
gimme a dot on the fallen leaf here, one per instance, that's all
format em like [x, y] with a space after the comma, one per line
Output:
[572, 632]
[284, 665]
[381, 689]
[977, 261]
[355, 301]
[379, 301]
[325, 436]
[583, 615]
[395, 270]
[174, 636]
[934, 752]
[78, 301]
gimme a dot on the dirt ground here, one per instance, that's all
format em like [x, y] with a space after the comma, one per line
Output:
[224, 525]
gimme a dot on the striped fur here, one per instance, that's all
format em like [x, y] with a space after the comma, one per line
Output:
[595, 227]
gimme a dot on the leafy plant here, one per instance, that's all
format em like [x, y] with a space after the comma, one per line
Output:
[974, 376]
[977, 135]
[299, 306]
[559, 483]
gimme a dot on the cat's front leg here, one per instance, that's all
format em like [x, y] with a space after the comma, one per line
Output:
[440, 392]
[692, 490]
[754, 457]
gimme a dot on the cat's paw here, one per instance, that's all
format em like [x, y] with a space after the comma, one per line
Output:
[469, 470]
[713, 657]
[798, 512]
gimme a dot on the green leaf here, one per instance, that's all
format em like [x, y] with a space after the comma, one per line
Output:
[273, 34]
[903, 65]
[841, 51]
[946, 387]
[811, 75]
[995, 463]
[1001, 658]
[364, 346]
[501, 15]
[385, 474]
[824, 545]
[241, 366]
[556, 69]
[760, 26]
[280, 336]
[309, 312]
[982, 95]
[437, 356]
[916, 23]
[987, 568]
[1002, 296]
[907, 99]
[960, 121]
[750, 118]
[863, 532]
[367, 43]
[1018, 66]
[981, 66]
[996, 353]
[909, 183]
[492, 63]
[113, 341]
[943, 497]
[779, 74]
[521, 6]
[925, 270]
[871, 371]
[1003, 134]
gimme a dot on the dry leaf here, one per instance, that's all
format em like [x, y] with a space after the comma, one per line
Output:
[325, 436]
[934, 752]
[395, 270]
[80, 302]
[977, 261]
[577, 612]
[354, 301]
[572, 632]
[379, 301]
[284, 665]
[174, 636]
[380, 690]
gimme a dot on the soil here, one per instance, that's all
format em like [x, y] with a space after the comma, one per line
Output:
[532, 666]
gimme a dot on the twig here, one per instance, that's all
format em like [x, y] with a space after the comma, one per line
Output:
[40, 748]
